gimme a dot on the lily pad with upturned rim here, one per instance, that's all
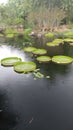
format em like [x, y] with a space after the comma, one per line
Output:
[29, 49]
[60, 59]
[68, 40]
[54, 43]
[44, 59]
[24, 67]
[40, 51]
[9, 61]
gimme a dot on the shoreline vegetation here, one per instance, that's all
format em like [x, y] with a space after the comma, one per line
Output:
[36, 19]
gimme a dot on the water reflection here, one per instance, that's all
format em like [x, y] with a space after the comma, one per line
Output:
[9, 51]
[42, 104]
[8, 117]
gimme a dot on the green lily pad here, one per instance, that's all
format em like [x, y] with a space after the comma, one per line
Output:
[68, 40]
[40, 52]
[24, 67]
[52, 44]
[60, 59]
[55, 42]
[29, 49]
[49, 35]
[58, 41]
[43, 59]
[9, 61]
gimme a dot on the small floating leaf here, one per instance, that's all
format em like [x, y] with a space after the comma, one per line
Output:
[36, 70]
[24, 67]
[60, 59]
[47, 77]
[29, 49]
[9, 61]
[38, 75]
[40, 51]
[44, 59]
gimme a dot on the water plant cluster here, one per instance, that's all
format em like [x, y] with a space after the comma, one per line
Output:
[42, 58]
[57, 42]
[19, 66]
[40, 55]
[22, 67]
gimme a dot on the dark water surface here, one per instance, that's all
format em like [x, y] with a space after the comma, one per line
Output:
[42, 104]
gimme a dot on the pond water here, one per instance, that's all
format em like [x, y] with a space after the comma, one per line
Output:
[42, 104]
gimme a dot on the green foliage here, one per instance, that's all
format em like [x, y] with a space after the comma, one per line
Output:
[10, 31]
[45, 12]
[26, 33]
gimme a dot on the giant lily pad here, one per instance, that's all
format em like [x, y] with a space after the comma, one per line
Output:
[29, 49]
[60, 59]
[52, 44]
[39, 51]
[24, 67]
[9, 61]
[55, 42]
[68, 40]
[44, 59]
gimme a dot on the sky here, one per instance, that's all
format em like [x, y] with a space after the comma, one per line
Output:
[3, 1]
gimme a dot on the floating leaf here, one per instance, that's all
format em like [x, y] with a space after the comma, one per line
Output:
[38, 75]
[50, 35]
[9, 61]
[60, 59]
[55, 42]
[24, 67]
[29, 49]
[48, 77]
[40, 51]
[43, 59]
[68, 40]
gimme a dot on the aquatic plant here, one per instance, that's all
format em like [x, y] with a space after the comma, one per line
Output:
[37, 74]
[61, 59]
[55, 42]
[49, 35]
[24, 67]
[10, 33]
[40, 51]
[29, 49]
[44, 59]
[68, 40]
[26, 33]
[9, 61]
